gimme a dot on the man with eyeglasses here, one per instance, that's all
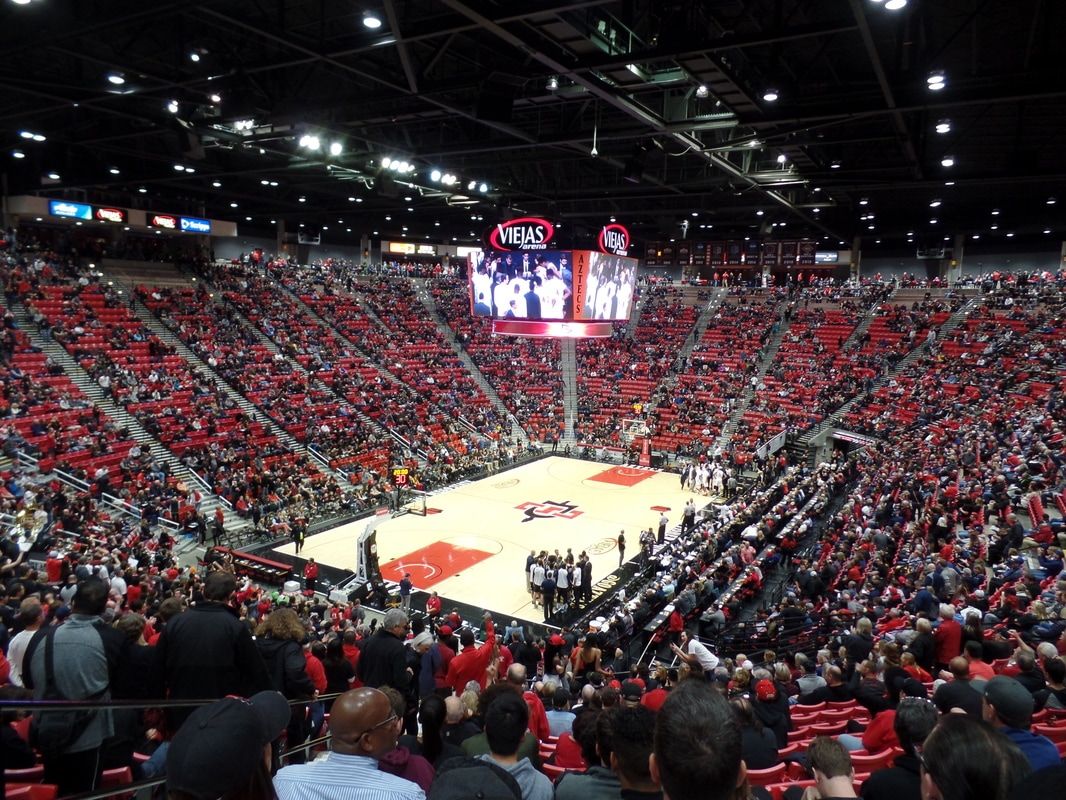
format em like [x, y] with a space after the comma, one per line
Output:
[364, 729]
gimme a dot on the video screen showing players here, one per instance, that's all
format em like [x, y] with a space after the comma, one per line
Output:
[608, 291]
[519, 285]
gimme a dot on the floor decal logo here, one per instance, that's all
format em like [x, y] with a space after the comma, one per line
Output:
[505, 484]
[549, 509]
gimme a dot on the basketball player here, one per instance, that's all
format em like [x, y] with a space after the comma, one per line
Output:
[554, 294]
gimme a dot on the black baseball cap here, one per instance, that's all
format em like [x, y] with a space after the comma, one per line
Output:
[220, 745]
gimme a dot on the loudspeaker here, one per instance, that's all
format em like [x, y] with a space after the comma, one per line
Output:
[386, 186]
[495, 102]
[635, 164]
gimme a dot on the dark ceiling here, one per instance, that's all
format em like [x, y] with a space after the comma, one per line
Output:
[462, 86]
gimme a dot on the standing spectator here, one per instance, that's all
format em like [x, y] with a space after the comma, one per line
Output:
[384, 658]
[76, 660]
[405, 592]
[506, 721]
[225, 749]
[470, 664]
[915, 719]
[660, 535]
[310, 576]
[30, 618]
[621, 547]
[207, 652]
[948, 637]
[279, 640]
[560, 718]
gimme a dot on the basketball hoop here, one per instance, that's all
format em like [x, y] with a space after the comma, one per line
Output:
[633, 429]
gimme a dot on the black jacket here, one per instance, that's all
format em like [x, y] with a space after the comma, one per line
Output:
[900, 782]
[206, 652]
[287, 667]
[384, 662]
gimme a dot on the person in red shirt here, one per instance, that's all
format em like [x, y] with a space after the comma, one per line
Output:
[947, 636]
[310, 576]
[53, 568]
[471, 663]
[433, 606]
[352, 652]
[675, 625]
[446, 645]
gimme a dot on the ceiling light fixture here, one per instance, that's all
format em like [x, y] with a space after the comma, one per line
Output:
[17, 154]
[702, 90]
[864, 201]
[895, 5]
[483, 188]
[114, 170]
[936, 81]
[1051, 201]
[947, 161]
[552, 84]
[944, 126]
[215, 98]
[770, 95]
[835, 165]
[336, 148]
[116, 78]
[172, 106]
[371, 20]
[53, 176]
[782, 158]
[934, 203]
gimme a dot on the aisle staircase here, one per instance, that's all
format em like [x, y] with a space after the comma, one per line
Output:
[568, 373]
[773, 344]
[516, 431]
[833, 419]
[124, 420]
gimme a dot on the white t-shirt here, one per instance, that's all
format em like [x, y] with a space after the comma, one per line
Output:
[708, 660]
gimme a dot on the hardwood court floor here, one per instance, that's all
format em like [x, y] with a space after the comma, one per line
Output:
[472, 545]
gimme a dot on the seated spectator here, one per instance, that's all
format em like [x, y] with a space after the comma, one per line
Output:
[1009, 706]
[633, 738]
[432, 714]
[457, 725]
[478, 745]
[830, 764]
[560, 718]
[834, 691]
[758, 744]
[595, 732]
[697, 751]
[965, 758]
[1054, 696]
[914, 720]
[958, 692]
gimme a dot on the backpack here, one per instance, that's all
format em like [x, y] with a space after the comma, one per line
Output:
[52, 732]
[466, 778]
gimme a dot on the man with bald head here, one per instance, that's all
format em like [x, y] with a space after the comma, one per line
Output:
[457, 728]
[364, 729]
[959, 691]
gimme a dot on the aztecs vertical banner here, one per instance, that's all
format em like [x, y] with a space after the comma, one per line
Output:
[806, 253]
[580, 283]
[769, 254]
[717, 254]
[752, 248]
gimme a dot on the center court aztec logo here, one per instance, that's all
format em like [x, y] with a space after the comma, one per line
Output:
[549, 509]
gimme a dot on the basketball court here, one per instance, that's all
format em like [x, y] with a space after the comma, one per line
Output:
[471, 545]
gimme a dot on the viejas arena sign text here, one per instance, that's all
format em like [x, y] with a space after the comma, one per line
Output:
[524, 233]
[614, 240]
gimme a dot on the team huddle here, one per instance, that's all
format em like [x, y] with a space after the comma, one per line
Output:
[510, 286]
[609, 288]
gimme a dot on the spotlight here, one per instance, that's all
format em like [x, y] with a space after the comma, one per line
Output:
[702, 90]
[947, 161]
[895, 5]
[194, 57]
[114, 170]
[470, 186]
[216, 184]
[434, 175]
[1051, 201]
[936, 81]
[483, 188]
[17, 154]
[53, 176]
[142, 190]
[781, 159]
[336, 148]
[770, 95]
[835, 165]
[944, 126]
[934, 203]
[553, 84]
[865, 201]
[215, 98]
[371, 20]
[116, 78]
[179, 167]
[172, 106]
[386, 162]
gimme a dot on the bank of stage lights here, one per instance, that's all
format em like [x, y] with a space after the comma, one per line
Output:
[396, 165]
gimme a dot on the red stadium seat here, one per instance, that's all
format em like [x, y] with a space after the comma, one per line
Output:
[764, 777]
